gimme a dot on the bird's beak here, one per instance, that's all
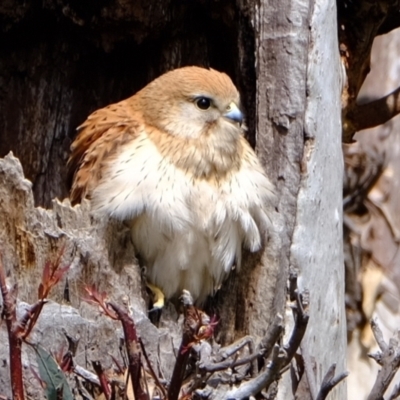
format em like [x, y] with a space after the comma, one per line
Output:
[234, 113]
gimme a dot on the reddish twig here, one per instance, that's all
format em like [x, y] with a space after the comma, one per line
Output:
[196, 327]
[99, 299]
[151, 370]
[52, 274]
[15, 341]
[132, 348]
[18, 331]
[120, 367]
[180, 364]
[104, 383]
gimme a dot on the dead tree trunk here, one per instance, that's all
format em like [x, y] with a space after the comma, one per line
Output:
[61, 60]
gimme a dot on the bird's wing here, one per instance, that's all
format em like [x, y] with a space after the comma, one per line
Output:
[98, 139]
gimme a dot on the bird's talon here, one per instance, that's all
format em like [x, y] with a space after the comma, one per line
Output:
[158, 296]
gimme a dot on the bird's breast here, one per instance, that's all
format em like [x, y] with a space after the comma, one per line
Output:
[184, 226]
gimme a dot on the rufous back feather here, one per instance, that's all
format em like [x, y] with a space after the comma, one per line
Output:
[99, 136]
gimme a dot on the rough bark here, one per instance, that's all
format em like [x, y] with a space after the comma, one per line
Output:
[98, 255]
[301, 108]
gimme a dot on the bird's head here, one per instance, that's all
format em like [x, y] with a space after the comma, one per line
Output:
[191, 102]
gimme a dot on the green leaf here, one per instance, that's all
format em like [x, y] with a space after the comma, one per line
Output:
[52, 375]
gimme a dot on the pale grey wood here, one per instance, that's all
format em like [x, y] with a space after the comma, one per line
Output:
[316, 249]
[299, 139]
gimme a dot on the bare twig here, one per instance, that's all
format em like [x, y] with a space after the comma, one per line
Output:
[190, 326]
[274, 332]
[18, 331]
[132, 348]
[87, 375]
[52, 273]
[30, 317]
[378, 335]
[281, 356]
[389, 358]
[214, 367]
[264, 349]
[374, 113]
[330, 381]
[263, 380]
[301, 321]
[396, 393]
[233, 348]
[104, 383]
[151, 370]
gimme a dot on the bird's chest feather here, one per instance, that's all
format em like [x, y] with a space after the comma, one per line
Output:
[142, 181]
[181, 222]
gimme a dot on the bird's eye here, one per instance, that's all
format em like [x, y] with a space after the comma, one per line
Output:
[203, 103]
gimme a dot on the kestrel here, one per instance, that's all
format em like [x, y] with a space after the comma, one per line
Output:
[172, 160]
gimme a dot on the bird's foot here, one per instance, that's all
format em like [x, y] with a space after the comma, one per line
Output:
[158, 296]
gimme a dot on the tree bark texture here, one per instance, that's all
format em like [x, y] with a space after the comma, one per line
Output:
[61, 60]
[298, 137]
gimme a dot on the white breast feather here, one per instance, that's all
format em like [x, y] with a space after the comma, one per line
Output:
[190, 234]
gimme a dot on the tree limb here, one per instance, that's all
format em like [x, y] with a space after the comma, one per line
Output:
[388, 357]
[330, 381]
[372, 114]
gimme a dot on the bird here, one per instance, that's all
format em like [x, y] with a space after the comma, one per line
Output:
[173, 162]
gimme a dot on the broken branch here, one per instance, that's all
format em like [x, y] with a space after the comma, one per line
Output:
[388, 357]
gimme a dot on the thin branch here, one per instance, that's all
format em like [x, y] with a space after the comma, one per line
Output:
[87, 375]
[30, 317]
[214, 367]
[263, 380]
[132, 348]
[233, 348]
[396, 393]
[378, 335]
[151, 370]
[389, 358]
[274, 332]
[374, 113]
[330, 381]
[15, 341]
[51, 275]
[190, 325]
[281, 356]
[301, 321]
[264, 349]
[104, 383]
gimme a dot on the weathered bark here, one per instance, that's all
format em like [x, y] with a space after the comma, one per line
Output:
[300, 106]
[283, 55]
